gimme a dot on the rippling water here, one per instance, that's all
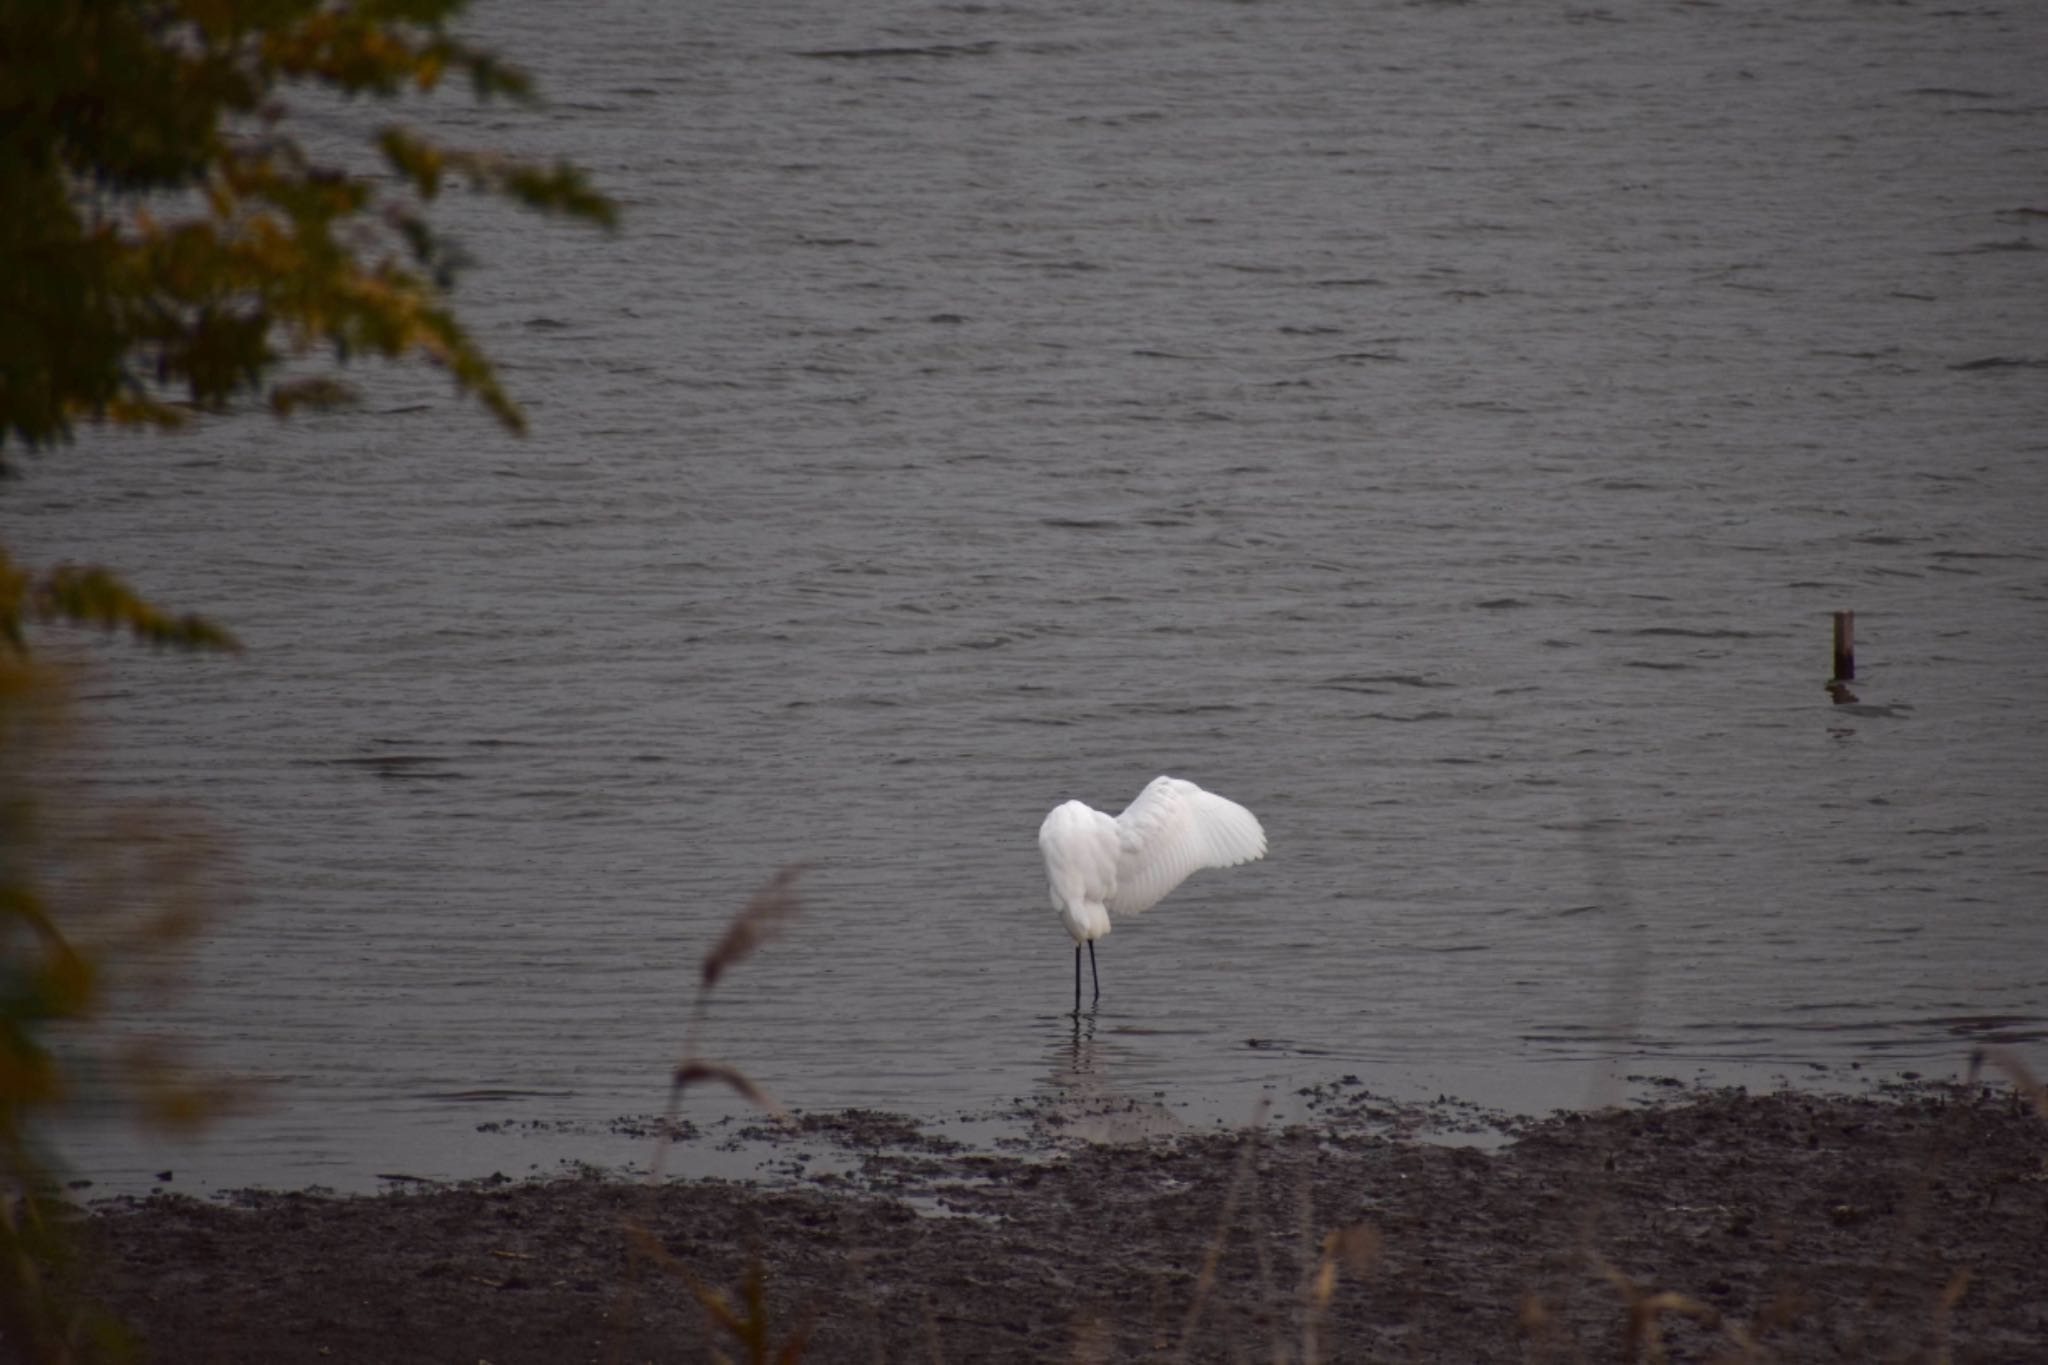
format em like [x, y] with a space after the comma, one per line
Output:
[1444, 428]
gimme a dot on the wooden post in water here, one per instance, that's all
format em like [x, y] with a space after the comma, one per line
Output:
[1845, 646]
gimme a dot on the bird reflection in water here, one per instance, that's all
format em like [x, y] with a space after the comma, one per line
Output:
[1077, 1062]
[1081, 1098]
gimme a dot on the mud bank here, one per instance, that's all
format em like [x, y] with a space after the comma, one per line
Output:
[1723, 1226]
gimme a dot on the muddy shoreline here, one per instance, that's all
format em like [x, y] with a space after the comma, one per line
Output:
[1903, 1226]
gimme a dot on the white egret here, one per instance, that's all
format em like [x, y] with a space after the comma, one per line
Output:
[1096, 864]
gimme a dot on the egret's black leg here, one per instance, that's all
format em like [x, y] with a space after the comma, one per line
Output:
[1077, 981]
[1093, 975]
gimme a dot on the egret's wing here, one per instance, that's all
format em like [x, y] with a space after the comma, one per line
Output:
[1080, 847]
[1175, 828]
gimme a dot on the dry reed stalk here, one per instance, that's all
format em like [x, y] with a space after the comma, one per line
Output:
[1305, 1237]
[1157, 1328]
[1540, 1328]
[1645, 1307]
[1269, 1289]
[2023, 1080]
[1094, 1343]
[1242, 1177]
[691, 1072]
[759, 920]
[1542, 1315]
[763, 917]
[1356, 1247]
[1914, 1210]
[747, 1321]
[1542, 1311]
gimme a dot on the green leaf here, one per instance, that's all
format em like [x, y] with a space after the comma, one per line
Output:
[165, 232]
[93, 596]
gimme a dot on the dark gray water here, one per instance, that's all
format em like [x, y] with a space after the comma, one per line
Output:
[1443, 428]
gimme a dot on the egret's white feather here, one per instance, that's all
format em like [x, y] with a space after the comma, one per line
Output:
[1175, 829]
[1095, 865]
[1081, 849]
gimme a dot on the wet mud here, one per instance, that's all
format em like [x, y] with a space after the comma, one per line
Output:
[1910, 1226]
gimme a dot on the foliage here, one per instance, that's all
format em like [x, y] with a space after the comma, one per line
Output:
[165, 231]
[95, 906]
[169, 246]
[93, 597]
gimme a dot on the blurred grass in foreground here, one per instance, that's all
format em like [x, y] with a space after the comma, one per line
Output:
[98, 904]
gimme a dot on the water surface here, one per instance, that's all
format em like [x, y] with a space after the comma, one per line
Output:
[1445, 429]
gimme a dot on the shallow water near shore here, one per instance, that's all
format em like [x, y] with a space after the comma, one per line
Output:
[1444, 429]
